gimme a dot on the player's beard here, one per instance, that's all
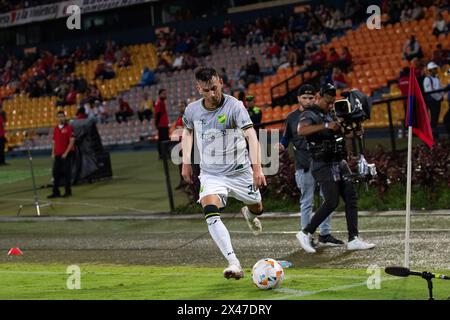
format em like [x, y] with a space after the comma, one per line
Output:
[214, 101]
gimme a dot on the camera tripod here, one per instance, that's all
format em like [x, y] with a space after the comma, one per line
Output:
[36, 203]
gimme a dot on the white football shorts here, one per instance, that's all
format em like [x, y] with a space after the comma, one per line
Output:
[239, 186]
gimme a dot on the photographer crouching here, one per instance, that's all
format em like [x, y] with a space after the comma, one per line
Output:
[326, 142]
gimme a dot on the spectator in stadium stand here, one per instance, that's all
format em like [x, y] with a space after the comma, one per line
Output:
[412, 49]
[223, 75]
[440, 56]
[124, 111]
[338, 78]
[103, 111]
[273, 50]
[147, 78]
[161, 119]
[254, 112]
[346, 60]
[62, 153]
[109, 71]
[439, 25]
[403, 84]
[318, 59]
[178, 61]
[81, 113]
[253, 71]
[125, 58]
[333, 57]
[433, 101]
[100, 70]
[145, 108]
[2, 134]
[71, 97]
[163, 64]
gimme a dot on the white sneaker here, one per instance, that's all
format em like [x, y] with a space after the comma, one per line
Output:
[305, 241]
[254, 225]
[233, 271]
[358, 244]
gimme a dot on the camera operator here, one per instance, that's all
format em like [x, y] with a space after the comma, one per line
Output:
[326, 142]
[305, 182]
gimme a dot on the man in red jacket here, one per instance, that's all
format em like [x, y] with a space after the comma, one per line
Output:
[161, 119]
[62, 153]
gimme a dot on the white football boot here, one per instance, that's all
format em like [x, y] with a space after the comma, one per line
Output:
[254, 225]
[233, 271]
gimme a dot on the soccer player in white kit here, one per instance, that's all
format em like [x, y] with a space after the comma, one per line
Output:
[221, 125]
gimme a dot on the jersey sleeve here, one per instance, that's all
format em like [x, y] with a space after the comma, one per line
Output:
[187, 118]
[241, 117]
[307, 118]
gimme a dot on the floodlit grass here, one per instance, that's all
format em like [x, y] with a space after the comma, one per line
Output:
[49, 281]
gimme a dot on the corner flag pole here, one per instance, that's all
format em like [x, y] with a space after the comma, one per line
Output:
[409, 165]
[408, 196]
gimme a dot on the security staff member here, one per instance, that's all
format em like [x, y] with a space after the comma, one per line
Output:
[62, 153]
[327, 145]
[305, 181]
[254, 112]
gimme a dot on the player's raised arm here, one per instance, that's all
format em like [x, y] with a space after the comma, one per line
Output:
[255, 157]
[186, 144]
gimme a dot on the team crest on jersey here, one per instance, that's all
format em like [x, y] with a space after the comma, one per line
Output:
[222, 118]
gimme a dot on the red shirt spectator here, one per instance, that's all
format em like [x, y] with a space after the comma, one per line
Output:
[333, 57]
[71, 97]
[346, 56]
[319, 57]
[274, 50]
[339, 77]
[61, 138]
[161, 117]
[125, 107]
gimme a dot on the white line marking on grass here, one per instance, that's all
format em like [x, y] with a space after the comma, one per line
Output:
[86, 204]
[291, 293]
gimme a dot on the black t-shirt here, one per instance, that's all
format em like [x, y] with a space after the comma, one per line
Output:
[313, 116]
[301, 153]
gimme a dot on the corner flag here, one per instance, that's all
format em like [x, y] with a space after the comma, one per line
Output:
[417, 112]
[418, 123]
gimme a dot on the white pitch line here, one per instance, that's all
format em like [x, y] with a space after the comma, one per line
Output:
[86, 204]
[298, 293]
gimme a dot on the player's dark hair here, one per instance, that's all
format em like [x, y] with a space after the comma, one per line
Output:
[161, 91]
[205, 74]
[60, 111]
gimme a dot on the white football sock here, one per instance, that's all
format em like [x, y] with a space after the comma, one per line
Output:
[221, 237]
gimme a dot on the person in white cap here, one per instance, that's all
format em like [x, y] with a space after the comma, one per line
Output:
[433, 101]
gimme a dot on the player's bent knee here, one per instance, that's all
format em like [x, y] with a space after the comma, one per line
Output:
[256, 209]
[211, 210]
